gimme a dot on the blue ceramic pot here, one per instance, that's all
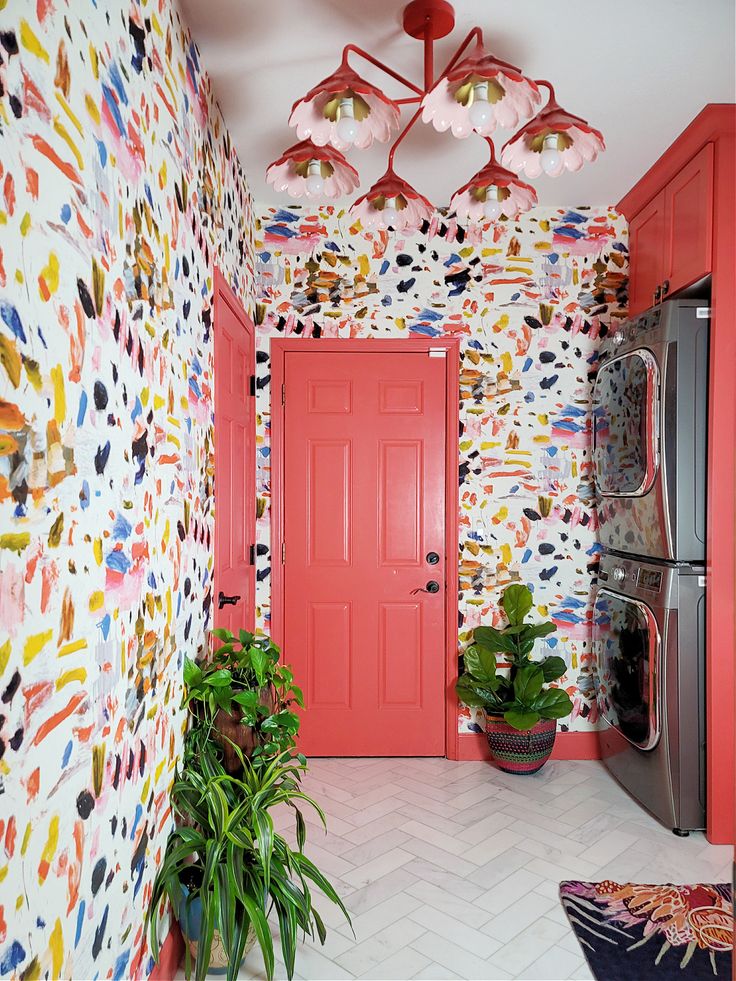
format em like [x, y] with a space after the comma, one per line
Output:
[190, 921]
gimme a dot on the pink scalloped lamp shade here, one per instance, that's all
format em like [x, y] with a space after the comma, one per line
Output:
[510, 196]
[392, 203]
[552, 142]
[478, 95]
[345, 103]
[292, 171]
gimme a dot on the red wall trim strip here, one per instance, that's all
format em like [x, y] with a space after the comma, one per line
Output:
[568, 746]
[170, 956]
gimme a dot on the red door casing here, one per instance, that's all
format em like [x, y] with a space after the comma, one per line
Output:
[235, 491]
[364, 505]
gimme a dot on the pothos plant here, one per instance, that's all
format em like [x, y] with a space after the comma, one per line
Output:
[244, 679]
[520, 694]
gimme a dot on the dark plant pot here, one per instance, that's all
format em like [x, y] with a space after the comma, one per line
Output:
[230, 729]
[520, 752]
[190, 923]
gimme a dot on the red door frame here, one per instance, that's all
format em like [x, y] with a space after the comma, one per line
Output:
[450, 345]
[223, 294]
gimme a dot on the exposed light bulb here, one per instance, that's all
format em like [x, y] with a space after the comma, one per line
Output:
[551, 156]
[315, 182]
[347, 127]
[480, 113]
[390, 213]
[492, 207]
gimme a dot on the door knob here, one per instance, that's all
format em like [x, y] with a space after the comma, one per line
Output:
[432, 587]
[223, 600]
[433, 558]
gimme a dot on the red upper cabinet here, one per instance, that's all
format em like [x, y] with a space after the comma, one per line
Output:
[671, 237]
[689, 210]
[647, 235]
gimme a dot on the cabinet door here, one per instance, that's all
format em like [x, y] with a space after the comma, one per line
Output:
[689, 212]
[647, 250]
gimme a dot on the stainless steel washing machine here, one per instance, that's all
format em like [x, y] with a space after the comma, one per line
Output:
[649, 640]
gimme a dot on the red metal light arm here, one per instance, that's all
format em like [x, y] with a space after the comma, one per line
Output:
[379, 64]
[476, 33]
[400, 137]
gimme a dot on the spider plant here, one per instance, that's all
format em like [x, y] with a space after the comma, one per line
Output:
[226, 853]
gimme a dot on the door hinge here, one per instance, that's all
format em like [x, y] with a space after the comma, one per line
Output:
[437, 352]
[253, 385]
[283, 394]
[283, 553]
[252, 555]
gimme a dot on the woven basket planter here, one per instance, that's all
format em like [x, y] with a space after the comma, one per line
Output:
[520, 752]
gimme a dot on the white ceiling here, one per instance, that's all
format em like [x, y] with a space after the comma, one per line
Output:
[639, 70]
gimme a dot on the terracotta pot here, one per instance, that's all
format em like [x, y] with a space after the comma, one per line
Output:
[229, 729]
[520, 752]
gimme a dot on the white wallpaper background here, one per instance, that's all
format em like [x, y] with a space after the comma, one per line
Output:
[529, 301]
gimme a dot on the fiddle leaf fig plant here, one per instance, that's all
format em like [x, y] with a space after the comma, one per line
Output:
[520, 695]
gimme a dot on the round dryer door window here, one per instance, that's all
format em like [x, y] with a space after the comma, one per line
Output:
[627, 652]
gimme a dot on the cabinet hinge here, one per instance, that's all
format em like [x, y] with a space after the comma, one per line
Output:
[283, 553]
[252, 555]
[283, 394]
[253, 385]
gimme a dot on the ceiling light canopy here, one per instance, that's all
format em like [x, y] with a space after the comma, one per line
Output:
[476, 93]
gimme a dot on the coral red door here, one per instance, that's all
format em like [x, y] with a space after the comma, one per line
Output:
[235, 492]
[364, 530]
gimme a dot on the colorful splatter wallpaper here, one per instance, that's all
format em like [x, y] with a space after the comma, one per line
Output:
[119, 191]
[529, 302]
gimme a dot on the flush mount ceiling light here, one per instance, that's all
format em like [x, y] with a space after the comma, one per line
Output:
[476, 93]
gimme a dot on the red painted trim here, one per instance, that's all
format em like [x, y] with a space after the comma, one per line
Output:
[279, 349]
[224, 294]
[721, 530]
[714, 120]
[170, 955]
[568, 746]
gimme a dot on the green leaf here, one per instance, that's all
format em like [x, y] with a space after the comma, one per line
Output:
[223, 634]
[246, 638]
[521, 719]
[192, 672]
[517, 600]
[259, 661]
[493, 640]
[553, 667]
[553, 704]
[528, 683]
[481, 663]
[219, 678]
[537, 630]
[475, 693]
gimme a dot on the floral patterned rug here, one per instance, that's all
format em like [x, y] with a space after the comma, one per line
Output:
[632, 932]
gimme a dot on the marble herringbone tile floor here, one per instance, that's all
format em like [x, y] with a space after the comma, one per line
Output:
[451, 870]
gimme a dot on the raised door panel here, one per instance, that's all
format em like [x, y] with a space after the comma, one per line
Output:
[689, 213]
[647, 251]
